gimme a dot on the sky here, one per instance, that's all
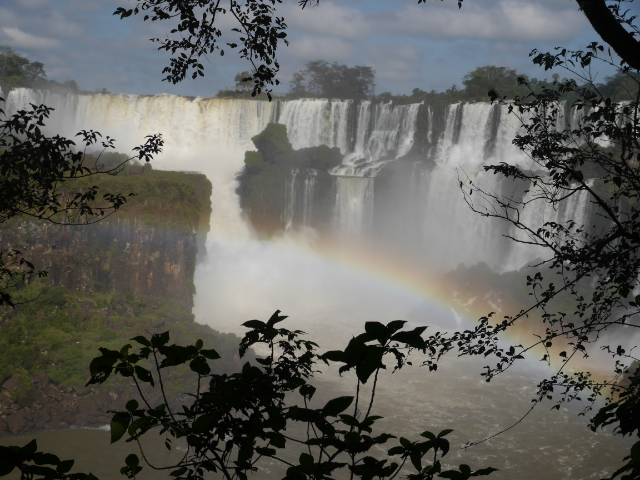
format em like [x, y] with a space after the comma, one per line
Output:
[427, 46]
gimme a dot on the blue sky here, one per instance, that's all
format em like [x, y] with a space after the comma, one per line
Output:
[430, 46]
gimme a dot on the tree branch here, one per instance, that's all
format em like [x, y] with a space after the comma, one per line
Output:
[611, 31]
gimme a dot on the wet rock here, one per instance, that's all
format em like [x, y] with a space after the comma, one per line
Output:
[45, 416]
[16, 422]
[11, 384]
[55, 393]
[81, 391]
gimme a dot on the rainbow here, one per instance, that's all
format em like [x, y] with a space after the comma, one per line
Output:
[439, 295]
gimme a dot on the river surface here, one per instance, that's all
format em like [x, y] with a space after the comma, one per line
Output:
[548, 444]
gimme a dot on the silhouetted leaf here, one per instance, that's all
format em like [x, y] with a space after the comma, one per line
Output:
[119, 425]
[336, 406]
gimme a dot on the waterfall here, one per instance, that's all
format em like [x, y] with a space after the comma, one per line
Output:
[204, 134]
[317, 122]
[354, 202]
[536, 212]
[290, 200]
[390, 137]
[307, 196]
[383, 133]
[299, 198]
[425, 213]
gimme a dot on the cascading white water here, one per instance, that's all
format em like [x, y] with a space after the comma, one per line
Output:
[211, 135]
[317, 122]
[392, 133]
[298, 203]
[536, 212]
[381, 131]
[354, 204]
[208, 135]
[307, 196]
[290, 200]
[448, 226]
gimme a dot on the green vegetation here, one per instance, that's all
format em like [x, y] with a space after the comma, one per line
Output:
[274, 148]
[162, 198]
[167, 199]
[253, 160]
[273, 144]
[320, 79]
[58, 331]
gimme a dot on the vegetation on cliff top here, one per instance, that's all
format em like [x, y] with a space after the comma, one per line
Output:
[274, 148]
[161, 198]
[17, 71]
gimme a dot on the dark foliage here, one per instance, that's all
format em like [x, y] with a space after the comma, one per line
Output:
[17, 71]
[596, 156]
[320, 79]
[196, 34]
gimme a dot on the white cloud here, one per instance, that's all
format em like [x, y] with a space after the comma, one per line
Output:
[58, 26]
[506, 20]
[329, 20]
[33, 4]
[20, 39]
[321, 48]
[398, 63]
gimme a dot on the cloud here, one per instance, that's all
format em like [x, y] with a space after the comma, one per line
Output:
[58, 26]
[506, 20]
[33, 4]
[430, 45]
[398, 63]
[325, 48]
[20, 39]
[329, 20]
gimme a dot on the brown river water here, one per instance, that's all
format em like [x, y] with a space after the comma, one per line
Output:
[547, 444]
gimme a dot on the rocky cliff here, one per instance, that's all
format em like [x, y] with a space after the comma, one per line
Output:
[276, 175]
[130, 274]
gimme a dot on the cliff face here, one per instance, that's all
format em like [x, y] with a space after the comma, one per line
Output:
[111, 255]
[129, 275]
[150, 245]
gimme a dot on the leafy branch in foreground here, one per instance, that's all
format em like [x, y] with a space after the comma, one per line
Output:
[592, 268]
[33, 464]
[36, 181]
[266, 411]
[197, 35]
